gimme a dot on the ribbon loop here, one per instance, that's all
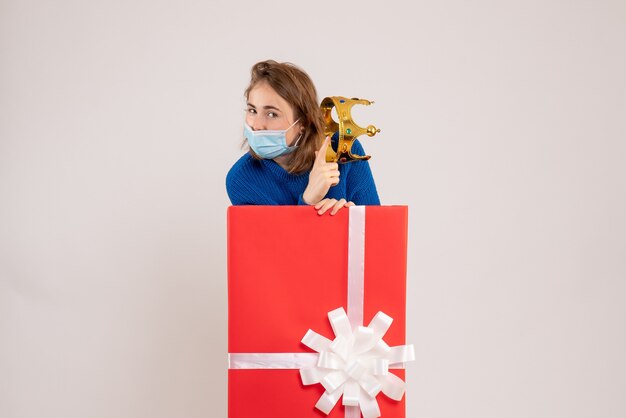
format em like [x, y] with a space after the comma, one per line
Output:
[334, 380]
[340, 323]
[393, 387]
[382, 348]
[328, 360]
[311, 375]
[315, 341]
[380, 324]
[364, 340]
[341, 345]
[370, 385]
[328, 400]
[401, 354]
[351, 394]
[381, 367]
[369, 407]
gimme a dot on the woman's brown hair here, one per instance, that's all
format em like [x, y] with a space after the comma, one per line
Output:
[295, 86]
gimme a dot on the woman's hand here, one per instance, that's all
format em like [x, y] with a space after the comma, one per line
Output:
[335, 204]
[323, 175]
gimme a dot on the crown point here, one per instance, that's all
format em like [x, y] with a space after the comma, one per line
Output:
[372, 130]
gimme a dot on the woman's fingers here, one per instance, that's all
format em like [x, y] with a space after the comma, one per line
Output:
[322, 177]
[320, 203]
[340, 204]
[336, 205]
[327, 205]
[320, 155]
[333, 177]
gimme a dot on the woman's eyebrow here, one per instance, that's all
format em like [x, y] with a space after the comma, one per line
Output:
[268, 107]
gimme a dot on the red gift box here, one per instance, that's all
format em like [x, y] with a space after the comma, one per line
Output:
[287, 268]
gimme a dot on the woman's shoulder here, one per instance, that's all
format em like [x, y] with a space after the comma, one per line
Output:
[242, 178]
[245, 166]
[357, 148]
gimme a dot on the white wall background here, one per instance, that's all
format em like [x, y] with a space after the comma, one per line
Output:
[504, 129]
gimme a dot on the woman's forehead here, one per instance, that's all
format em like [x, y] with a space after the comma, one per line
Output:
[263, 95]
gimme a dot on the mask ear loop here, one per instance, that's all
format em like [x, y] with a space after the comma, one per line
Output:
[297, 140]
[291, 126]
[295, 144]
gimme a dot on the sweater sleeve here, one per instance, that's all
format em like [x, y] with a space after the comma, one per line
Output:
[360, 186]
[301, 201]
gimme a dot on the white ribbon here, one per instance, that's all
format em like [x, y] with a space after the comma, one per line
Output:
[356, 265]
[271, 360]
[355, 365]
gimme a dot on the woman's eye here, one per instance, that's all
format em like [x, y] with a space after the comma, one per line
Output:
[272, 115]
[252, 111]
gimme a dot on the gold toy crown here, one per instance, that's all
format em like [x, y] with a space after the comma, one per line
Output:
[348, 130]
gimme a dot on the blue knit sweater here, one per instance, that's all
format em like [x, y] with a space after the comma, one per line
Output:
[264, 182]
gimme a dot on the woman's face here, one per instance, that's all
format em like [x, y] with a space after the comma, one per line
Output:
[266, 110]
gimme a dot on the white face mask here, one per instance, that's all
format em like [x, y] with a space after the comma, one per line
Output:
[269, 144]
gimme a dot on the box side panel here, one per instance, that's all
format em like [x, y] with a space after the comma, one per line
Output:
[287, 268]
[385, 268]
[280, 394]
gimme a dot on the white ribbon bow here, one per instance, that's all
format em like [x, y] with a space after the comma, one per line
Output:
[355, 364]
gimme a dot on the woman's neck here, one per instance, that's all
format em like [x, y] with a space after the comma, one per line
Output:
[283, 161]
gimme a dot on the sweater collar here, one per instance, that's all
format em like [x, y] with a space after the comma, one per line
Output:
[280, 172]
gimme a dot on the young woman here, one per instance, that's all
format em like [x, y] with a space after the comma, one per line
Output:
[286, 162]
